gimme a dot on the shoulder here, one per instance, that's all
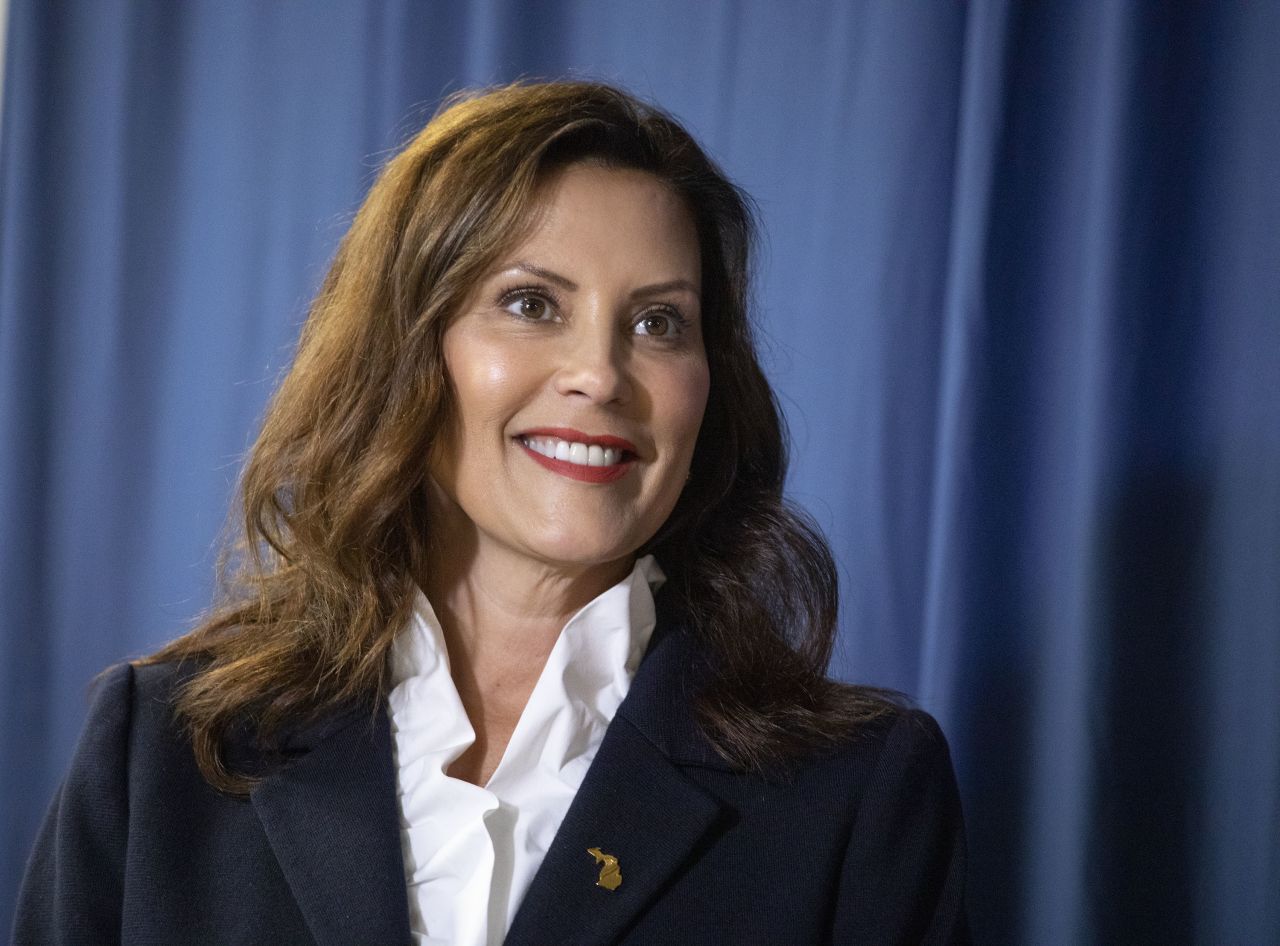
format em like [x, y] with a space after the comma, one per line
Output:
[134, 745]
[126, 684]
[905, 858]
[77, 868]
[893, 768]
[136, 698]
[118, 697]
[130, 716]
[896, 758]
[861, 728]
[134, 757]
[131, 739]
[864, 837]
[881, 808]
[907, 743]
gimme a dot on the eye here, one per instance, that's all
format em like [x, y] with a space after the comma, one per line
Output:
[528, 305]
[660, 323]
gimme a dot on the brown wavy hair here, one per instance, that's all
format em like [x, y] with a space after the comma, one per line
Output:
[335, 528]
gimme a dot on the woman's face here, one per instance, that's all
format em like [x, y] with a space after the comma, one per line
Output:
[579, 377]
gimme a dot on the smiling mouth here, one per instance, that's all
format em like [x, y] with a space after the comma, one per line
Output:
[581, 454]
[590, 459]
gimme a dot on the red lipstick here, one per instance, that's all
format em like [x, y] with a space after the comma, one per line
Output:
[577, 436]
[578, 471]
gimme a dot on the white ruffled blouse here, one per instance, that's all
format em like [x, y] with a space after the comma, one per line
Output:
[471, 852]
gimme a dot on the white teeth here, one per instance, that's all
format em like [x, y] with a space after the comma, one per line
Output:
[579, 453]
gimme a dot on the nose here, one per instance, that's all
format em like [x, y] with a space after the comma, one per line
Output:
[593, 363]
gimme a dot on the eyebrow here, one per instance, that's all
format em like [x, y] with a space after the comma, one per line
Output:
[659, 288]
[548, 275]
[654, 289]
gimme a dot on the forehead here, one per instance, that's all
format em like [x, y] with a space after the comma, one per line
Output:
[627, 220]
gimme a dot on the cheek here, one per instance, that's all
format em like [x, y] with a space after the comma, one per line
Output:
[487, 383]
[686, 398]
[481, 377]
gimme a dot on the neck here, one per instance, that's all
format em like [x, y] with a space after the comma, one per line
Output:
[501, 614]
[502, 607]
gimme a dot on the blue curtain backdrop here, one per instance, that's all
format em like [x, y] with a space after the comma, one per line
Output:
[1020, 296]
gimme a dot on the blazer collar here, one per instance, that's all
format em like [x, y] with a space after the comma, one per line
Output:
[659, 702]
[331, 818]
[634, 804]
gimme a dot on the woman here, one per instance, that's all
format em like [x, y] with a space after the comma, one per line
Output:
[525, 642]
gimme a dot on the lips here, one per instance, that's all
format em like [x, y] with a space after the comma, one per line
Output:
[588, 458]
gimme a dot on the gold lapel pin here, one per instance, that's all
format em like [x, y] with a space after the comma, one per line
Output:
[610, 873]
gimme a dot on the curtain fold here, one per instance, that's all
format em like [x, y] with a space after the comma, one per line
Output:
[1019, 294]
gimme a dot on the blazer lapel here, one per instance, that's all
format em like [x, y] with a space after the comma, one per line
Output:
[331, 819]
[635, 805]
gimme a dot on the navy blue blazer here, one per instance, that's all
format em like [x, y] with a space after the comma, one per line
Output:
[860, 845]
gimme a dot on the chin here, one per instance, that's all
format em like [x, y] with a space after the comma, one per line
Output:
[571, 550]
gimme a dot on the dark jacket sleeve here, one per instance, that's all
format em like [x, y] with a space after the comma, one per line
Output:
[904, 871]
[74, 884]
